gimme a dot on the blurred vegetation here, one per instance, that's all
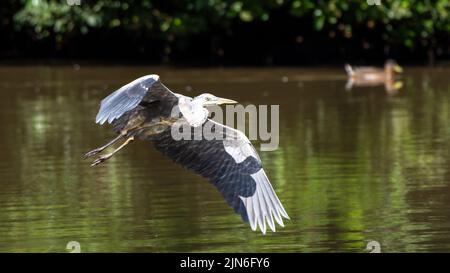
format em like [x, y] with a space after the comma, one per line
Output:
[174, 25]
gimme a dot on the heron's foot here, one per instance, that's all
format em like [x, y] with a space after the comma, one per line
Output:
[107, 156]
[92, 153]
[101, 159]
[100, 149]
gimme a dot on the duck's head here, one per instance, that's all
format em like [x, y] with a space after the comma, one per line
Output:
[392, 67]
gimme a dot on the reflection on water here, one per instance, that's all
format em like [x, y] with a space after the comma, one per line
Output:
[352, 166]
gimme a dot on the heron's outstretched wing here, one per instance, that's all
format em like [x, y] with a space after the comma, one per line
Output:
[130, 95]
[233, 166]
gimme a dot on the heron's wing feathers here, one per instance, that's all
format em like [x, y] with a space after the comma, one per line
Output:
[233, 166]
[129, 96]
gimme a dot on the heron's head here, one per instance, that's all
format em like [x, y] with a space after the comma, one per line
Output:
[209, 99]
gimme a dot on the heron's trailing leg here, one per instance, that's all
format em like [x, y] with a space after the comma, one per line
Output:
[107, 156]
[100, 149]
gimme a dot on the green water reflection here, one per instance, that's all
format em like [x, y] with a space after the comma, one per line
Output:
[352, 166]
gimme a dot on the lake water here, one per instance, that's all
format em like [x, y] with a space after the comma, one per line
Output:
[352, 166]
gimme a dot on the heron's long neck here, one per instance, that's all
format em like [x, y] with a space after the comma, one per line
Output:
[193, 111]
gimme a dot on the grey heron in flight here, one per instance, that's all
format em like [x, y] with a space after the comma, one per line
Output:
[146, 109]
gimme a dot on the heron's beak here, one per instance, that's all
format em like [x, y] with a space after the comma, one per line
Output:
[225, 101]
[397, 68]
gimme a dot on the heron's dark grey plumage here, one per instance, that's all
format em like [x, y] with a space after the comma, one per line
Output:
[234, 180]
[230, 163]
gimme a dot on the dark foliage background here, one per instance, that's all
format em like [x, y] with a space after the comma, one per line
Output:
[259, 32]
